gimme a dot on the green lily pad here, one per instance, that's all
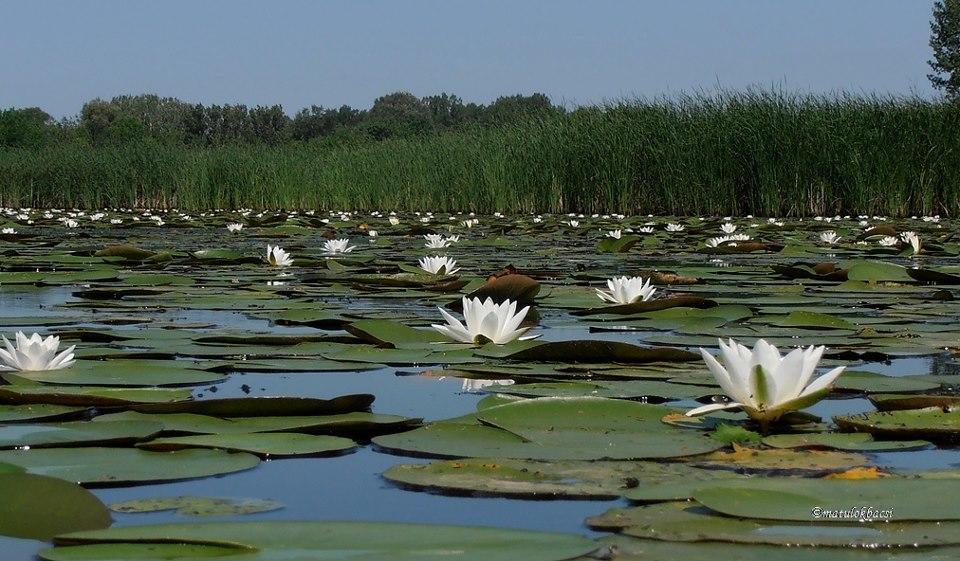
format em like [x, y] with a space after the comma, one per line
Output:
[76, 433]
[600, 351]
[198, 506]
[263, 406]
[629, 548]
[798, 499]
[934, 423]
[690, 522]
[277, 444]
[320, 541]
[87, 396]
[859, 442]
[556, 429]
[39, 508]
[357, 423]
[874, 271]
[125, 372]
[811, 320]
[393, 334]
[37, 412]
[747, 459]
[872, 382]
[517, 478]
[895, 402]
[122, 466]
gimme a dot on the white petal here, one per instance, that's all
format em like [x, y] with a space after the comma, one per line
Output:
[712, 407]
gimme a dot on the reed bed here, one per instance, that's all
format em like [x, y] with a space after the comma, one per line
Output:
[763, 153]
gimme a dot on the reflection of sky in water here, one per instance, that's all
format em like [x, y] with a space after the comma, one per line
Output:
[350, 487]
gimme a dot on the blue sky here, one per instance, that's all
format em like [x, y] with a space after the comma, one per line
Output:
[59, 53]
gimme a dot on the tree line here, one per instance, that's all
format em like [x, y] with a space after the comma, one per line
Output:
[168, 120]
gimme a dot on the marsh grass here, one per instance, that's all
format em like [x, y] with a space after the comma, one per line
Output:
[764, 153]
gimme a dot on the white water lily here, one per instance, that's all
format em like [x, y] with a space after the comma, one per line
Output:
[888, 241]
[765, 384]
[342, 245]
[728, 228]
[674, 227]
[434, 265]
[624, 290]
[913, 239]
[436, 241]
[829, 237]
[615, 234]
[720, 240]
[277, 257]
[485, 321]
[34, 353]
[373, 234]
[70, 223]
[234, 227]
[573, 223]
[394, 221]
[645, 229]
[8, 231]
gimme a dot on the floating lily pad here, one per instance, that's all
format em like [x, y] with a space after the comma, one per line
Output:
[690, 522]
[262, 444]
[744, 458]
[37, 412]
[320, 541]
[798, 499]
[600, 351]
[126, 372]
[873, 271]
[357, 423]
[858, 442]
[629, 548]
[198, 506]
[934, 423]
[84, 396]
[878, 383]
[895, 402]
[76, 433]
[122, 466]
[263, 406]
[39, 507]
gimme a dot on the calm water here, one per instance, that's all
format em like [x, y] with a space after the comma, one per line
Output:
[350, 487]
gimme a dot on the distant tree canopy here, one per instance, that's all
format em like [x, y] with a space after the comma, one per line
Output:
[945, 42]
[130, 118]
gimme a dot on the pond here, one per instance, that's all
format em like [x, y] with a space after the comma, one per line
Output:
[224, 402]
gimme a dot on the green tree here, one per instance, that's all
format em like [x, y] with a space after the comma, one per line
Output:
[510, 109]
[945, 42]
[398, 114]
[25, 128]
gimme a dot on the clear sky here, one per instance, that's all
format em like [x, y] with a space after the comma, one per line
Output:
[56, 54]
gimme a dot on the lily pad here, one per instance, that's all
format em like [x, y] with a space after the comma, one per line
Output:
[37, 412]
[934, 423]
[126, 372]
[277, 444]
[858, 442]
[690, 522]
[198, 506]
[38, 507]
[122, 466]
[556, 429]
[600, 351]
[799, 499]
[320, 541]
[76, 433]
